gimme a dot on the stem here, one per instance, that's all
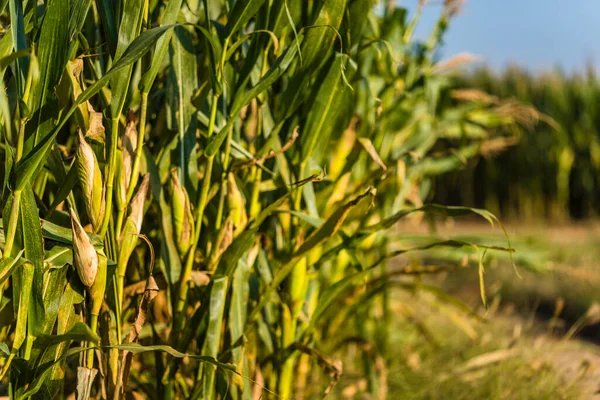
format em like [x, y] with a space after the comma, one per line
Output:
[224, 180]
[119, 227]
[90, 352]
[223, 189]
[254, 208]
[112, 160]
[118, 290]
[7, 365]
[295, 225]
[187, 271]
[303, 369]
[254, 198]
[119, 305]
[20, 142]
[139, 148]
[286, 376]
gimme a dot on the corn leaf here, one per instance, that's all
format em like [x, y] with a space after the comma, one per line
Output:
[241, 14]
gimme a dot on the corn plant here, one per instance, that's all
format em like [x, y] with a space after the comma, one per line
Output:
[198, 196]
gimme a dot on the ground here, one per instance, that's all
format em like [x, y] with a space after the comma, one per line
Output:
[538, 337]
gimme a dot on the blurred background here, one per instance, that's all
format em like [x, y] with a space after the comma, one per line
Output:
[541, 332]
[543, 53]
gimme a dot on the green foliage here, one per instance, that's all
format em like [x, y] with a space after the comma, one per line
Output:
[281, 141]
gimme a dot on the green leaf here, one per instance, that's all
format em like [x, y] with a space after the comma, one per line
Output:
[34, 252]
[6, 61]
[54, 287]
[52, 56]
[8, 137]
[238, 309]
[169, 255]
[241, 14]
[66, 319]
[181, 86]
[286, 13]
[44, 372]
[9, 264]
[68, 180]
[319, 40]
[61, 234]
[77, 15]
[58, 256]
[80, 332]
[320, 122]
[481, 272]
[330, 226]
[129, 29]
[333, 292]
[17, 29]
[109, 22]
[8, 165]
[312, 221]
[213, 333]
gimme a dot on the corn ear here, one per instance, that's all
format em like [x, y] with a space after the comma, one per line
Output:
[183, 219]
[90, 180]
[98, 288]
[84, 253]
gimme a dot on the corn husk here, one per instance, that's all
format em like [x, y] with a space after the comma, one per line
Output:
[181, 211]
[84, 253]
[90, 180]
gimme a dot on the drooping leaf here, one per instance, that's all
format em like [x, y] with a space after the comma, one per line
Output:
[137, 348]
[79, 332]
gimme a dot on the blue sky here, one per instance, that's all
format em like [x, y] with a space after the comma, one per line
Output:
[538, 34]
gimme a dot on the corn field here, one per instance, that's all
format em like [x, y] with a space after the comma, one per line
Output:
[199, 198]
[554, 168]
